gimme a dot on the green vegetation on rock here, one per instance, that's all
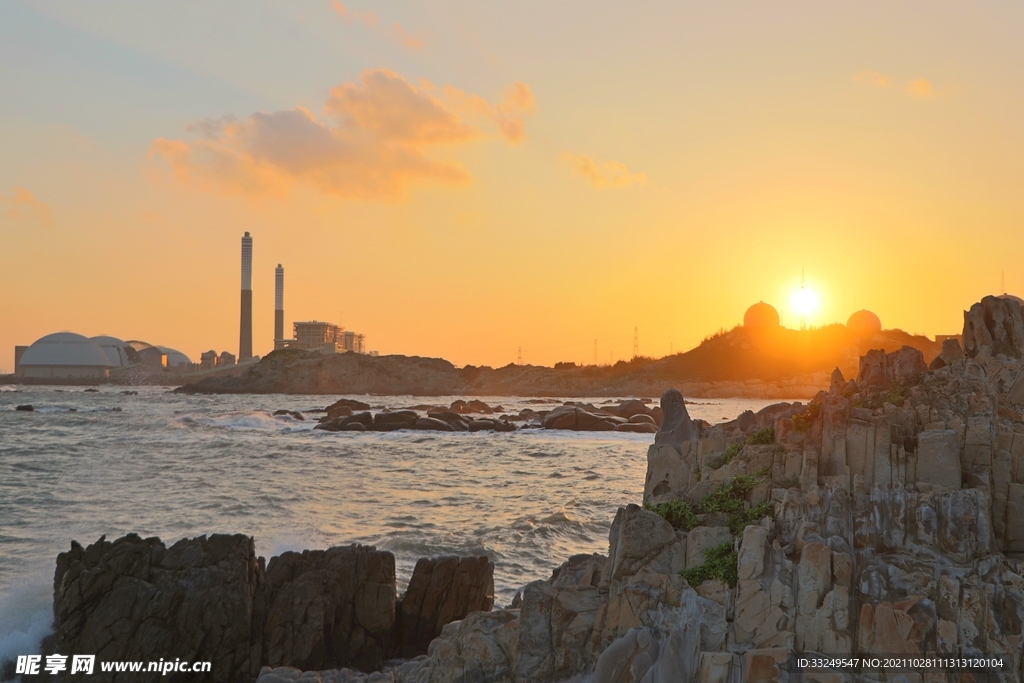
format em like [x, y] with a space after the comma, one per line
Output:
[762, 437]
[804, 420]
[719, 563]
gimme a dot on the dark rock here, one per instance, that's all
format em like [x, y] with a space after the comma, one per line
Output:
[459, 407]
[91, 391]
[399, 419]
[330, 608]
[338, 424]
[746, 421]
[630, 408]
[937, 363]
[481, 425]
[443, 590]
[676, 426]
[639, 427]
[26, 408]
[348, 403]
[130, 393]
[658, 414]
[504, 426]
[134, 599]
[430, 423]
[338, 411]
[456, 421]
[476, 406]
[290, 413]
[563, 417]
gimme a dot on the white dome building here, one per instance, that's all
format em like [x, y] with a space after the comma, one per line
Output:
[118, 351]
[64, 354]
[175, 357]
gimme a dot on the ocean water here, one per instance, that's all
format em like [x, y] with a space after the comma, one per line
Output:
[161, 464]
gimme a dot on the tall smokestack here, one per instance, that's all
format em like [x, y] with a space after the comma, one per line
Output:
[279, 307]
[245, 329]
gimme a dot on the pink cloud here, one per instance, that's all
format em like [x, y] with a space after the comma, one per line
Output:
[23, 205]
[602, 173]
[375, 141]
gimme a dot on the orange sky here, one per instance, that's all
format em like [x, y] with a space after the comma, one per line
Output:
[461, 181]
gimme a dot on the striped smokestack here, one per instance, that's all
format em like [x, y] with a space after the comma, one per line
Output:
[245, 327]
[279, 307]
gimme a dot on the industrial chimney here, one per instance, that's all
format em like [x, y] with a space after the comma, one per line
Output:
[245, 328]
[279, 307]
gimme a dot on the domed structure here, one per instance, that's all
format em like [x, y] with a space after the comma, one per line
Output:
[175, 357]
[64, 354]
[118, 352]
[761, 316]
[864, 323]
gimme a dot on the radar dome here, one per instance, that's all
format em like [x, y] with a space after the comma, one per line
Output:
[864, 323]
[761, 316]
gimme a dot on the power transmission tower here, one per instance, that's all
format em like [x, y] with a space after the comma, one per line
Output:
[519, 359]
[636, 344]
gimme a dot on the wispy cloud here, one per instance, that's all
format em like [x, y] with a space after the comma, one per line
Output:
[602, 173]
[873, 78]
[23, 205]
[413, 42]
[408, 39]
[373, 141]
[350, 15]
[919, 88]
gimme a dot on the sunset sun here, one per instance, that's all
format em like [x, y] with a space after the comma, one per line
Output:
[805, 301]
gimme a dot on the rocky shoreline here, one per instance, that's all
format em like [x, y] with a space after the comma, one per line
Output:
[885, 517]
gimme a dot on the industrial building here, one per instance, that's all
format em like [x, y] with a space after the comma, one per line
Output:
[74, 356]
[62, 355]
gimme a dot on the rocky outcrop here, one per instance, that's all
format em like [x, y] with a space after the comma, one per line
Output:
[202, 599]
[211, 599]
[443, 590]
[331, 607]
[996, 323]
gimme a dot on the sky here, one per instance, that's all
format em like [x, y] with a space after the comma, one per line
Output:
[476, 181]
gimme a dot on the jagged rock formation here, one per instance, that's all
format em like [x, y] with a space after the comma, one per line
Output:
[333, 606]
[211, 599]
[885, 517]
[443, 590]
[202, 599]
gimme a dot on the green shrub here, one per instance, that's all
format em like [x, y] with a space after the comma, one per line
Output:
[804, 420]
[678, 513]
[719, 563]
[730, 453]
[762, 437]
[738, 521]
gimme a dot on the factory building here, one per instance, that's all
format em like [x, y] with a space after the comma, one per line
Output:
[318, 335]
